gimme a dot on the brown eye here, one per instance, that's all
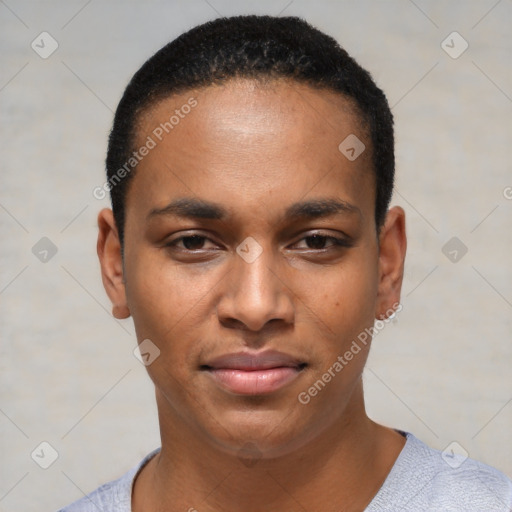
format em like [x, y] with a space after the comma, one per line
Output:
[321, 242]
[193, 242]
[316, 241]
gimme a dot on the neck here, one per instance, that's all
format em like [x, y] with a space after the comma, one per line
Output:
[344, 465]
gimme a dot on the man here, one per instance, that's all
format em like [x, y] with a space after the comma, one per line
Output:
[250, 167]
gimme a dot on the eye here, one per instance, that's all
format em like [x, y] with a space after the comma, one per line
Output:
[190, 243]
[319, 241]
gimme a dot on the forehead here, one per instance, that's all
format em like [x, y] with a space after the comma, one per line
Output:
[250, 138]
[260, 107]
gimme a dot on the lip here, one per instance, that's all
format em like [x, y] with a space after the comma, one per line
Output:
[245, 373]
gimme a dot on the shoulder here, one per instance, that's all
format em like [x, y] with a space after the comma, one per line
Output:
[108, 497]
[427, 479]
[114, 496]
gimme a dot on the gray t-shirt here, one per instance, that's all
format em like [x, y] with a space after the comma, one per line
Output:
[421, 480]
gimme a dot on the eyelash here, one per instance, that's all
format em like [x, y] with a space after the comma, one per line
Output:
[336, 242]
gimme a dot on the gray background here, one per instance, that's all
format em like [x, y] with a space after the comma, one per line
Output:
[68, 374]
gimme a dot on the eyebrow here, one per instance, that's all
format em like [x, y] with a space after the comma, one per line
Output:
[316, 208]
[189, 207]
[192, 208]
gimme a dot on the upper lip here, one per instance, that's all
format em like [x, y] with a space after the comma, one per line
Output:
[254, 361]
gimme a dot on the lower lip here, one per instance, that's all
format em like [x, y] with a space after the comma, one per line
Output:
[255, 382]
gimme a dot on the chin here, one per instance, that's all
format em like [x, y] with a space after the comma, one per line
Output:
[261, 434]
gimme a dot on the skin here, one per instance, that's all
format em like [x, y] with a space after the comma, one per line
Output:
[256, 149]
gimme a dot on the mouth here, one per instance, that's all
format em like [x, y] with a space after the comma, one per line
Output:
[245, 373]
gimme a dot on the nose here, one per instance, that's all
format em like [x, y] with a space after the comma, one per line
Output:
[255, 295]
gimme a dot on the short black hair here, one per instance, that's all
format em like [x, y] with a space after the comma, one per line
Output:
[258, 47]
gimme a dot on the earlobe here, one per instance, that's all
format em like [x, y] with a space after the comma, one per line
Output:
[111, 261]
[392, 249]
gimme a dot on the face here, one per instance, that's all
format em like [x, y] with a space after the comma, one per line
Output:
[252, 261]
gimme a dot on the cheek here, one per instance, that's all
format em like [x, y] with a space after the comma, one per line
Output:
[166, 305]
[344, 297]
[352, 301]
[346, 304]
[165, 301]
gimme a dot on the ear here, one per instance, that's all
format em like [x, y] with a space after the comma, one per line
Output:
[111, 261]
[392, 248]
